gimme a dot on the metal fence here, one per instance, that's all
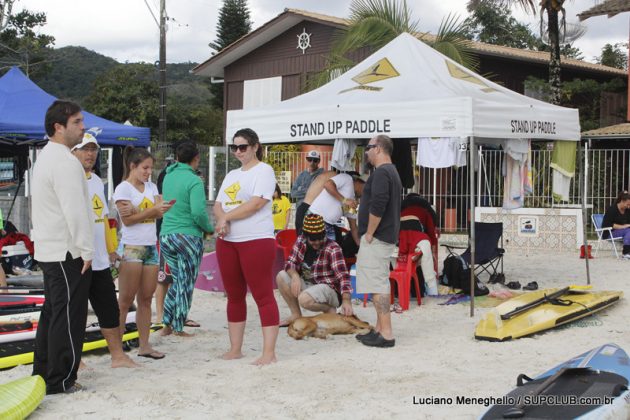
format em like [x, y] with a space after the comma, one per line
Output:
[448, 188]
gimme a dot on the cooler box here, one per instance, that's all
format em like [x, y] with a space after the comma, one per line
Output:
[16, 256]
[353, 282]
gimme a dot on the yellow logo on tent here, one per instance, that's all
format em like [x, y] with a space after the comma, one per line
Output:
[146, 204]
[458, 73]
[231, 192]
[97, 206]
[381, 70]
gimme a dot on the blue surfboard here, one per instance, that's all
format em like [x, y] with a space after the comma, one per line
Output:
[593, 385]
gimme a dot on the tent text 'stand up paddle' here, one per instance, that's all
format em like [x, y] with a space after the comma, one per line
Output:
[405, 90]
[23, 107]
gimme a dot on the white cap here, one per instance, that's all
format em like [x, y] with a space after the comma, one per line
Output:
[87, 139]
[313, 154]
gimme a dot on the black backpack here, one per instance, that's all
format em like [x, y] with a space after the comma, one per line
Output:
[457, 276]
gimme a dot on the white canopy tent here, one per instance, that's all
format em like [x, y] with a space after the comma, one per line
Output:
[409, 90]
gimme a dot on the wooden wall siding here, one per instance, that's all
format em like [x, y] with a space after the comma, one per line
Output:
[291, 86]
[234, 95]
[280, 56]
[612, 109]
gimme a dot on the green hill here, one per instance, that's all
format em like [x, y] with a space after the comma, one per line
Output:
[73, 70]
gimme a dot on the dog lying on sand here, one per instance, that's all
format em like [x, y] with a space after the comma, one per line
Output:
[322, 325]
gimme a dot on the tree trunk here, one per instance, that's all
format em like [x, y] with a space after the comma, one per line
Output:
[555, 79]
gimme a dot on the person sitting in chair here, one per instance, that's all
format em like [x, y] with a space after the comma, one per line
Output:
[315, 275]
[617, 217]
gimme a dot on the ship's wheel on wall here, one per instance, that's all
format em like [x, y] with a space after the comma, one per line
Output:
[304, 40]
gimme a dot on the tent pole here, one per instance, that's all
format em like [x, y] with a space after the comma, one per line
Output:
[481, 165]
[435, 189]
[583, 200]
[471, 182]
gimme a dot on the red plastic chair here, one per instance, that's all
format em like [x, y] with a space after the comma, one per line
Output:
[285, 240]
[402, 274]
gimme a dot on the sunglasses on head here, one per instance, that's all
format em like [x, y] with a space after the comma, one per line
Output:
[239, 147]
[309, 159]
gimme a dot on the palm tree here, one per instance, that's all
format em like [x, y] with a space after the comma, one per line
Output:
[552, 9]
[374, 23]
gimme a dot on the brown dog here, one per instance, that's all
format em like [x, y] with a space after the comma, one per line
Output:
[323, 324]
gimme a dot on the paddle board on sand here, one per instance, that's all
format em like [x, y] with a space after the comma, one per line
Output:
[8, 301]
[20, 352]
[541, 310]
[593, 385]
[21, 397]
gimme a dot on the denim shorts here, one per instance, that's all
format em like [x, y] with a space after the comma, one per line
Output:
[145, 254]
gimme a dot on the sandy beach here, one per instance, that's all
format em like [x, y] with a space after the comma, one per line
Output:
[435, 356]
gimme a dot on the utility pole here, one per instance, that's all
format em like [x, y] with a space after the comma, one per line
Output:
[5, 13]
[162, 126]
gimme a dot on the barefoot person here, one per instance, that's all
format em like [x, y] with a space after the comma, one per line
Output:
[181, 235]
[315, 276]
[62, 230]
[102, 290]
[246, 247]
[139, 268]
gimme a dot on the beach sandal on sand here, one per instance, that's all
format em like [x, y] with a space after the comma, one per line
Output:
[514, 285]
[191, 323]
[532, 285]
[153, 355]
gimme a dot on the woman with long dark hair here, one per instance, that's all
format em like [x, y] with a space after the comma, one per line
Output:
[246, 247]
[139, 267]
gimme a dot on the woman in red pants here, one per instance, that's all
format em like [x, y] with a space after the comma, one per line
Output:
[246, 246]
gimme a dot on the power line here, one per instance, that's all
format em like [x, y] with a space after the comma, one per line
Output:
[152, 14]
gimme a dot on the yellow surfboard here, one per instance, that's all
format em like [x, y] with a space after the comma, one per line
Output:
[21, 397]
[26, 357]
[541, 310]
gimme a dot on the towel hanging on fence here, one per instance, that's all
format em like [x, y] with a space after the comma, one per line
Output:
[517, 170]
[563, 165]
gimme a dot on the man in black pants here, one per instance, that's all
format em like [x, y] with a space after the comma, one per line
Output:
[64, 242]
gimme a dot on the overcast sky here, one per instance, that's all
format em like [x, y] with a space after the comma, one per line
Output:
[126, 31]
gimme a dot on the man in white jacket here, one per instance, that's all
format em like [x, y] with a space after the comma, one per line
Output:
[64, 246]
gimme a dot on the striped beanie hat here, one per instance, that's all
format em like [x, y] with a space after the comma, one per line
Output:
[313, 226]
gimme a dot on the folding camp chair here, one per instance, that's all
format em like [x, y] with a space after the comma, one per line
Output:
[488, 253]
[604, 234]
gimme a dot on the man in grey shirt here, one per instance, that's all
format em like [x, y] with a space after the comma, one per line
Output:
[304, 179]
[379, 224]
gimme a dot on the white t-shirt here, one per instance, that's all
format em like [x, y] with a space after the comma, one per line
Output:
[96, 193]
[328, 206]
[441, 152]
[240, 186]
[142, 233]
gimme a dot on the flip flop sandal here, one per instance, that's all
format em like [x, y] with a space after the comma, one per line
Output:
[531, 286]
[514, 285]
[191, 323]
[396, 308]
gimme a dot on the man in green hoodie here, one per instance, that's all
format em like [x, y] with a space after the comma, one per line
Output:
[181, 235]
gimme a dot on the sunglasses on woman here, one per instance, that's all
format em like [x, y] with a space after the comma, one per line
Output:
[240, 147]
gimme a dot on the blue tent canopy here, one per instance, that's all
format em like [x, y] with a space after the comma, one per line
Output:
[23, 107]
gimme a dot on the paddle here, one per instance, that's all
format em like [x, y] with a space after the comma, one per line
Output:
[535, 303]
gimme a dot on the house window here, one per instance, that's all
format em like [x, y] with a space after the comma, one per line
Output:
[262, 92]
